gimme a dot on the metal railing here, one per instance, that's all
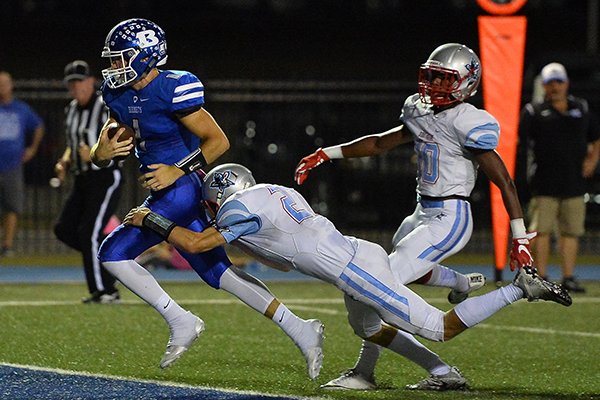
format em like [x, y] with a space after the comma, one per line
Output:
[271, 125]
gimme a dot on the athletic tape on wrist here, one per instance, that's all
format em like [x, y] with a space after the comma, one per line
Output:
[192, 162]
[517, 227]
[159, 224]
[334, 152]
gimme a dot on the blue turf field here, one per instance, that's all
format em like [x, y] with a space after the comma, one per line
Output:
[19, 382]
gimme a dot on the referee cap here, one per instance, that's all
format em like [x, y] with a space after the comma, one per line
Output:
[77, 70]
[554, 72]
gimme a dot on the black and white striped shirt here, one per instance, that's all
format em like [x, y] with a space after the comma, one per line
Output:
[83, 125]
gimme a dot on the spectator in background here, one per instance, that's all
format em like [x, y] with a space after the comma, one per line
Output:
[562, 140]
[21, 131]
[95, 193]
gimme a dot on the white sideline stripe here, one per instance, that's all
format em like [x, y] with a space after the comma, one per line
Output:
[321, 310]
[538, 330]
[149, 381]
[44, 303]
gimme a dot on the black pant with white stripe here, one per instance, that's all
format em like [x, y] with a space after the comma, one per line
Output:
[93, 199]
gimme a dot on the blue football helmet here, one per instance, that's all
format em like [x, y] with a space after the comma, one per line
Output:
[134, 47]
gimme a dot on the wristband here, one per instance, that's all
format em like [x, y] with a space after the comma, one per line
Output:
[517, 227]
[159, 224]
[192, 162]
[333, 152]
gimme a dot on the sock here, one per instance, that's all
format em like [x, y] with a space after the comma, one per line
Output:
[369, 354]
[169, 309]
[476, 309]
[406, 345]
[289, 322]
[446, 277]
[141, 282]
[256, 295]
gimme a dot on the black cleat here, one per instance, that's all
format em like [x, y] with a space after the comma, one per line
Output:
[572, 285]
[536, 288]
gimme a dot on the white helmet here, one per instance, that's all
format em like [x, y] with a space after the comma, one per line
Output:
[451, 74]
[223, 181]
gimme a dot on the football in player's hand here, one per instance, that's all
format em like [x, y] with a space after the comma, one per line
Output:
[127, 133]
[112, 130]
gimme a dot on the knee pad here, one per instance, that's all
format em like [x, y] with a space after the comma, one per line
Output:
[365, 322]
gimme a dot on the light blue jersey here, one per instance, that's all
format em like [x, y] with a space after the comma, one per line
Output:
[304, 240]
[278, 227]
[446, 166]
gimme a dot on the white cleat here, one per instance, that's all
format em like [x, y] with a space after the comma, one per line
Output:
[313, 351]
[179, 342]
[453, 380]
[476, 282]
[351, 380]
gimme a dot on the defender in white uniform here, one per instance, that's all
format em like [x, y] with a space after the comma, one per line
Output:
[452, 139]
[277, 226]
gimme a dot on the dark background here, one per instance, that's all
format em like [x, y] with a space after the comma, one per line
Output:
[284, 39]
[284, 77]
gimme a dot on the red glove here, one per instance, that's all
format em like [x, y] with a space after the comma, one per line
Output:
[520, 254]
[309, 162]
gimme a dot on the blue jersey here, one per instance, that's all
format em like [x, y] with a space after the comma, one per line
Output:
[18, 121]
[152, 112]
[160, 138]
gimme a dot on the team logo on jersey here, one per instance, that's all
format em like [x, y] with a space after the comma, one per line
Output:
[134, 109]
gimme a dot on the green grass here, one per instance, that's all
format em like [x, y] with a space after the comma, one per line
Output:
[242, 350]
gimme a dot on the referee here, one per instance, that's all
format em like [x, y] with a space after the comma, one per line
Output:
[95, 192]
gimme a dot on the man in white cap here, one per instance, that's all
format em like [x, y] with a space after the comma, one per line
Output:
[562, 139]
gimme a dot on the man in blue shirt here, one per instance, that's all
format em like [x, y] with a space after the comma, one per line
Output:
[21, 131]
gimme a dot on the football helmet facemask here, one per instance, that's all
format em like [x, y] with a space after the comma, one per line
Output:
[134, 47]
[451, 74]
[223, 181]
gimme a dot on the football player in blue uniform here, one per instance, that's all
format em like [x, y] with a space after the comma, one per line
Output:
[175, 137]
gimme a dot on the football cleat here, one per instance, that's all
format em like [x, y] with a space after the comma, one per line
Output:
[476, 282]
[572, 285]
[351, 380]
[179, 343]
[313, 352]
[535, 288]
[102, 298]
[453, 380]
